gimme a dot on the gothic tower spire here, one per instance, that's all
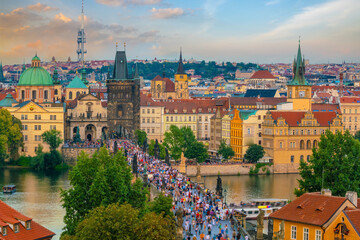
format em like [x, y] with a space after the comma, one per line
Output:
[180, 69]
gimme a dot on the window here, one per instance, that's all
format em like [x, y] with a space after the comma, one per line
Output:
[292, 158]
[344, 119]
[167, 119]
[306, 234]
[280, 144]
[171, 119]
[317, 235]
[34, 94]
[259, 117]
[56, 92]
[52, 127]
[148, 120]
[152, 130]
[25, 127]
[153, 110]
[52, 117]
[77, 94]
[302, 158]
[200, 119]
[153, 120]
[37, 127]
[190, 118]
[70, 95]
[206, 127]
[143, 111]
[259, 126]
[248, 130]
[148, 111]
[25, 137]
[37, 138]
[16, 228]
[4, 231]
[148, 130]
[46, 94]
[349, 119]
[308, 158]
[22, 94]
[349, 127]
[28, 225]
[350, 110]
[293, 232]
[206, 119]
[143, 120]
[37, 117]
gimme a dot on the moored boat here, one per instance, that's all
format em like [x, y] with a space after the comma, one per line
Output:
[9, 189]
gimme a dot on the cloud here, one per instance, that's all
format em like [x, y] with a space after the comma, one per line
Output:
[41, 8]
[36, 45]
[327, 14]
[163, 13]
[128, 2]
[273, 2]
[62, 17]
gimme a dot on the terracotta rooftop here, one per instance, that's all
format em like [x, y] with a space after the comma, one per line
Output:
[350, 100]
[323, 107]
[310, 208]
[8, 215]
[169, 85]
[354, 216]
[293, 118]
[262, 74]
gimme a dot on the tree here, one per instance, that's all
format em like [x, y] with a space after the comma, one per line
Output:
[225, 150]
[162, 206]
[198, 151]
[11, 138]
[254, 153]
[96, 181]
[357, 135]
[123, 222]
[52, 138]
[174, 142]
[140, 136]
[335, 165]
[152, 147]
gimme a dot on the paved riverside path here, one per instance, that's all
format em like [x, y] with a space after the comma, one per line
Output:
[203, 213]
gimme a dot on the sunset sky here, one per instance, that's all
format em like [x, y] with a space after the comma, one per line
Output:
[260, 31]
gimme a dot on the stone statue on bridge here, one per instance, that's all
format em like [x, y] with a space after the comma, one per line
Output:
[219, 188]
[156, 149]
[167, 158]
[260, 225]
[115, 147]
[135, 165]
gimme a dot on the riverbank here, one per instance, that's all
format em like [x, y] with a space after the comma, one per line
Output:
[238, 169]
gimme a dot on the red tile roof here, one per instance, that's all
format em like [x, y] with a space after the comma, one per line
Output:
[310, 208]
[292, 118]
[8, 215]
[350, 100]
[169, 85]
[323, 107]
[262, 74]
[354, 217]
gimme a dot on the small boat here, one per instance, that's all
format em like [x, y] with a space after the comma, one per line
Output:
[9, 189]
[268, 205]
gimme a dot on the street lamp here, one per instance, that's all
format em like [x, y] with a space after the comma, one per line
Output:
[225, 195]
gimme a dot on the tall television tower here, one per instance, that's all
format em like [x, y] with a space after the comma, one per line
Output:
[81, 39]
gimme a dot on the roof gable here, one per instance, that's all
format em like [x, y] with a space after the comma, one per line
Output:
[311, 208]
[30, 106]
[76, 83]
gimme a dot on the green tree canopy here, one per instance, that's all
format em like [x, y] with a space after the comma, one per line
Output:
[11, 138]
[357, 135]
[152, 147]
[179, 140]
[140, 136]
[162, 206]
[335, 165]
[123, 222]
[96, 181]
[254, 153]
[52, 138]
[225, 150]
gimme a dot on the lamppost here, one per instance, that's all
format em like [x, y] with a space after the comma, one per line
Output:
[225, 195]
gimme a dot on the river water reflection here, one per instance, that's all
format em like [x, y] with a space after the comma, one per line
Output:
[38, 195]
[243, 188]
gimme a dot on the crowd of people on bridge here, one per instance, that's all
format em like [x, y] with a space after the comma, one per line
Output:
[201, 213]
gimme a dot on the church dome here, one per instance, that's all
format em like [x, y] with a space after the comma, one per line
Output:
[35, 75]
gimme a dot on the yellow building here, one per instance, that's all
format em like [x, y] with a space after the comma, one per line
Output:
[289, 135]
[162, 88]
[36, 119]
[226, 123]
[315, 216]
[181, 81]
[236, 135]
[350, 109]
[151, 118]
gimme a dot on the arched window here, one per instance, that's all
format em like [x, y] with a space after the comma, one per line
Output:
[46, 94]
[281, 144]
[34, 94]
[77, 94]
[302, 158]
[302, 144]
[70, 95]
[315, 144]
[56, 92]
[22, 94]
[308, 144]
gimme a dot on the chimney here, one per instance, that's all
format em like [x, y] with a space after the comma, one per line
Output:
[352, 196]
[326, 192]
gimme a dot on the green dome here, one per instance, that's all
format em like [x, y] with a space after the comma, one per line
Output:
[35, 58]
[35, 76]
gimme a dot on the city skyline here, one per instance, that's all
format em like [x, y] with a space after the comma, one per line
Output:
[259, 31]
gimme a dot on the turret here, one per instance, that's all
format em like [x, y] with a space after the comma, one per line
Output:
[83, 76]
[56, 77]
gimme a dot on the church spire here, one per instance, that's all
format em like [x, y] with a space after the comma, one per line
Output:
[299, 69]
[180, 69]
[120, 66]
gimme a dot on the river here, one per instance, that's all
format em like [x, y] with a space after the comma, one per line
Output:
[38, 195]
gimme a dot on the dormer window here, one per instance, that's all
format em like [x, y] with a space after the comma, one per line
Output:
[4, 231]
[16, 228]
[28, 225]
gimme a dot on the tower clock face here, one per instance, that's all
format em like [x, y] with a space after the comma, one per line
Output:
[302, 94]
